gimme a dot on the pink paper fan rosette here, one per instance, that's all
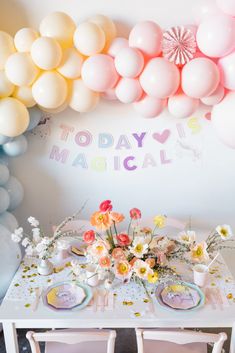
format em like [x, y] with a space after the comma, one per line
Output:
[179, 45]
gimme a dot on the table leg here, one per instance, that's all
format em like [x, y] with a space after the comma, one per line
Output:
[10, 336]
[232, 342]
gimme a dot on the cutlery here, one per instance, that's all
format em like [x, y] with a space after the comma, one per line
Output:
[38, 293]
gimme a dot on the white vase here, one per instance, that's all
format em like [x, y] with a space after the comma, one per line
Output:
[45, 267]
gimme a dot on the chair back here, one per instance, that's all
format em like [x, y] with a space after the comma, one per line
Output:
[71, 337]
[180, 337]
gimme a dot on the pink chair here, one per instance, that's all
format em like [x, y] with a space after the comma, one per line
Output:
[178, 341]
[73, 341]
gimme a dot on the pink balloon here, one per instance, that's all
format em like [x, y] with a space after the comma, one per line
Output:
[215, 97]
[150, 107]
[200, 77]
[204, 9]
[227, 71]
[116, 45]
[110, 94]
[182, 106]
[227, 6]
[147, 37]
[160, 78]
[129, 62]
[216, 36]
[99, 73]
[128, 90]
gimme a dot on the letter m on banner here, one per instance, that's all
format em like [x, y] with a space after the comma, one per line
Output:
[59, 155]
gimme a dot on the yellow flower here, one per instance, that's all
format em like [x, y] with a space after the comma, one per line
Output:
[159, 221]
[153, 277]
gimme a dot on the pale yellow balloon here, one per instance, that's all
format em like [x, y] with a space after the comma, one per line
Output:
[57, 110]
[50, 90]
[82, 99]
[20, 69]
[46, 53]
[6, 87]
[60, 26]
[24, 39]
[14, 117]
[89, 39]
[6, 48]
[71, 63]
[24, 95]
[107, 26]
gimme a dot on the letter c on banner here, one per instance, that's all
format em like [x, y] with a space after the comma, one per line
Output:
[126, 163]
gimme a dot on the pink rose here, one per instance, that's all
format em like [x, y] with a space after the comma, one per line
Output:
[106, 206]
[123, 239]
[118, 254]
[89, 236]
[135, 213]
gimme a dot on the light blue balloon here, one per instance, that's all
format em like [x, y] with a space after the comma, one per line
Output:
[16, 147]
[3, 157]
[10, 258]
[15, 191]
[9, 221]
[4, 200]
[4, 139]
[35, 115]
[4, 174]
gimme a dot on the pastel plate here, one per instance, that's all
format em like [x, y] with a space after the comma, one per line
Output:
[180, 296]
[67, 296]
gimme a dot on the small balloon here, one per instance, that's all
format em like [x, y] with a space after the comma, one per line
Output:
[4, 200]
[24, 39]
[71, 64]
[128, 90]
[4, 174]
[46, 53]
[7, 48]
[215, 97]
[82, 98]
[20, 69]
[89, 39]
[35, 115]
[17, 117]
[15, 191]
[150, 107]
[129, 62]
[6, 86]
[182, 106]
[8, 221]
[16, 147]
[24, 95]
[116, 45]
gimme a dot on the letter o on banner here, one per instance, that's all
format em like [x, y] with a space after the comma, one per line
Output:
[83, 138]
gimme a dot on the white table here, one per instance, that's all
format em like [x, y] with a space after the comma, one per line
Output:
[14, 314]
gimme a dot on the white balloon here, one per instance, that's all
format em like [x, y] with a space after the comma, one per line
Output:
[15, 191]
[20, 69]
[215, 97]
[71, 64]
[82, 98]
[129, 62]
[89, 39]
[46, 53]
[227, 71]
[6, 86]
[222, 118]
[24, 95]
[60, 26]
[24, 39]
[7, 48]
[128, 90]
[116, 45]
[182, 106]
[202, 9]
[50, 90]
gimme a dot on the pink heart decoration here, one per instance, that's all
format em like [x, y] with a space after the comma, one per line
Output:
[162, 137]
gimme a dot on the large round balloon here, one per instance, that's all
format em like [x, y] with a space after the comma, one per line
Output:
[16, 147]
[150, 107]
[10, 258]
[116, 45]
[4, 174]
[60, 26]
[46, 53]
[227, 6]
[24, 39]
[4, 199]
[15, 191]
[128, 90]
[160, 78]
[7, 48]
[99, 73]
[9, 221]
[203, 9]
[25, 95]
[182, 106]
[14, 117]
[227, 70]
[107, 25]
[216, 36]
[200, 77]
[82, 98]
[71, 64]
[147, 37]
[129, 62]
[222, 118]
[6, 86]
[89, 38]
[35, 115]
[50, 90]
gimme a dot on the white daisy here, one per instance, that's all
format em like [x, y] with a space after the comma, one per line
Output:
[141, 269]
[19, 231]
[25, 242]
[139, 247]
[187, 237]
[224, 231]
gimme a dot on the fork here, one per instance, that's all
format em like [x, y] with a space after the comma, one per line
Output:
[38, 293]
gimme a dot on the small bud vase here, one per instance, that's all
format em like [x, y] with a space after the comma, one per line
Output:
[45, 267]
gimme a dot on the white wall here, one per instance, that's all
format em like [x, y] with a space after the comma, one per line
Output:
[199, 181]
